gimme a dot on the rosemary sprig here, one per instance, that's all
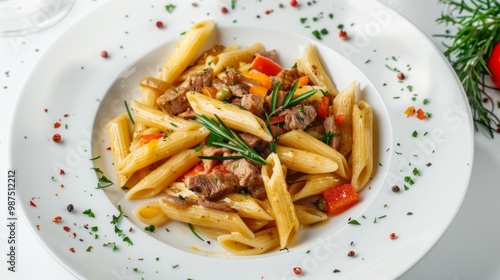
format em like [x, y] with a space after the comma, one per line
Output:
[478, 30]
[237, 143]
[289, 100]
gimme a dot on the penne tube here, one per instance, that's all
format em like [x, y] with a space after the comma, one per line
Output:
[280, 200]
[248, 207]
[305, 161]
[308, 215]
[233, 116]
[317, 184]
[164, 175]
[150, 213]
[238, 244]
[202, 216]
[301, 140]
[210, 232]
[156, 118]
[342, 106]
[119, 141]
[315, 97]
[159, 149]
[233, 58]
[362, 151]
[310, 64]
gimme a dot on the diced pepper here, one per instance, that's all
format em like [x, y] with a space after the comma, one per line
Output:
[421, 114]
[146, 138]
[340, 198]
[410, 111]
[339, 118]
[323, 107]
[258, 90]
[261, 78]
[209, 91]
[276, 119]
[266, 65]
[221, 168]
[303, 81]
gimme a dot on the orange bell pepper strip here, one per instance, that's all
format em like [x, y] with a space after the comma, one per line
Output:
[209, 91]
[266, 65]
[340, 198]
[146, 138]
[263, 80]
[323, 106]
[303, 81]
[339, 118]
[258, 90]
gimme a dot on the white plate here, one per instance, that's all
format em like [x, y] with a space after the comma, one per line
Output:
[82, 90]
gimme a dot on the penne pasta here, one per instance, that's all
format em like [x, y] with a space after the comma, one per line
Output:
[308, 215]
[233, 57]
[119, 141]
[310, 64]
[150, 213]
[317, 184]
[164, 175]
[343, 106]
[362, 152]
[150, 117]
[162, 148]
[233, 116]
[238, 244]
[199, 215]
[305, 161]
[301, 140]
[280, 200]
[248, 207]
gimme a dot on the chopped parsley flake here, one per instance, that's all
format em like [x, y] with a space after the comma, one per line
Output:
[170, 8]
[353, 222]
[89, 213]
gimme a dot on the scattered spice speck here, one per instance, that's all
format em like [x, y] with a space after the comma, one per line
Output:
[104, 54]
[57, 138]
[392, 236]
[343, 35]
[160, 24]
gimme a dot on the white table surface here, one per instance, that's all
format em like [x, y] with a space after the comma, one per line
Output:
[470, 249]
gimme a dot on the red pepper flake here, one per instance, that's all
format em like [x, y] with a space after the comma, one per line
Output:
[224, 10]
[343, 35]
[38, 227]
[57, 138]
[45, 110]
[294, 3]
[61, 186]
[57, 219]
[66, 228]
[74, 235]
[62, 172]
[108, 148]
[72, 249]
[104, 54]
[400, 76]
[351, 254]
[32, 204]
[297, 270]
[392, 236]
[66, 115]
[57, 124]
[160, 24]
[268, 12]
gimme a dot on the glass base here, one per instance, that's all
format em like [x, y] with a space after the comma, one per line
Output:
[24, 17]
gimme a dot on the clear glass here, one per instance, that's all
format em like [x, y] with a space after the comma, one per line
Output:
[24, 17]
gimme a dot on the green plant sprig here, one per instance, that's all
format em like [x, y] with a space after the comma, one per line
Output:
[478, 30]
[237, 143]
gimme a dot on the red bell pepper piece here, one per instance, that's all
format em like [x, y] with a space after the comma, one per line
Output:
[340, 198]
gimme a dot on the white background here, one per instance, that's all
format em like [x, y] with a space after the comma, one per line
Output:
[468, 250]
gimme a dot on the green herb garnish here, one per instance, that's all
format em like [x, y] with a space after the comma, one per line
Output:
[194, 232]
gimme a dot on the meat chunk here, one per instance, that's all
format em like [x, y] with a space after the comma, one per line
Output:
[248, 175]
[213, 186]
[287, 78]
[174, 101]
[178, 202]
[253, 103]
[333, 131]
[254, 142]
[211, 151]
[298, 117]
[239, 90]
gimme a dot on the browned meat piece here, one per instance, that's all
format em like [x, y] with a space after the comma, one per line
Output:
[238, 90]
[188, 114]
[287, 78]
[253, 103]
[298, 117]
[217, 205]
[232, 76]
[254, 142]
[271, 54]
[213, 186]
[279, 100]
[215, 50]
[332, 128]
[174, 101]
[197, 80]
[210, 151]
[248, 175]
[180, 203]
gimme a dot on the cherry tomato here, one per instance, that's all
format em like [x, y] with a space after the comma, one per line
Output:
[494, 64]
